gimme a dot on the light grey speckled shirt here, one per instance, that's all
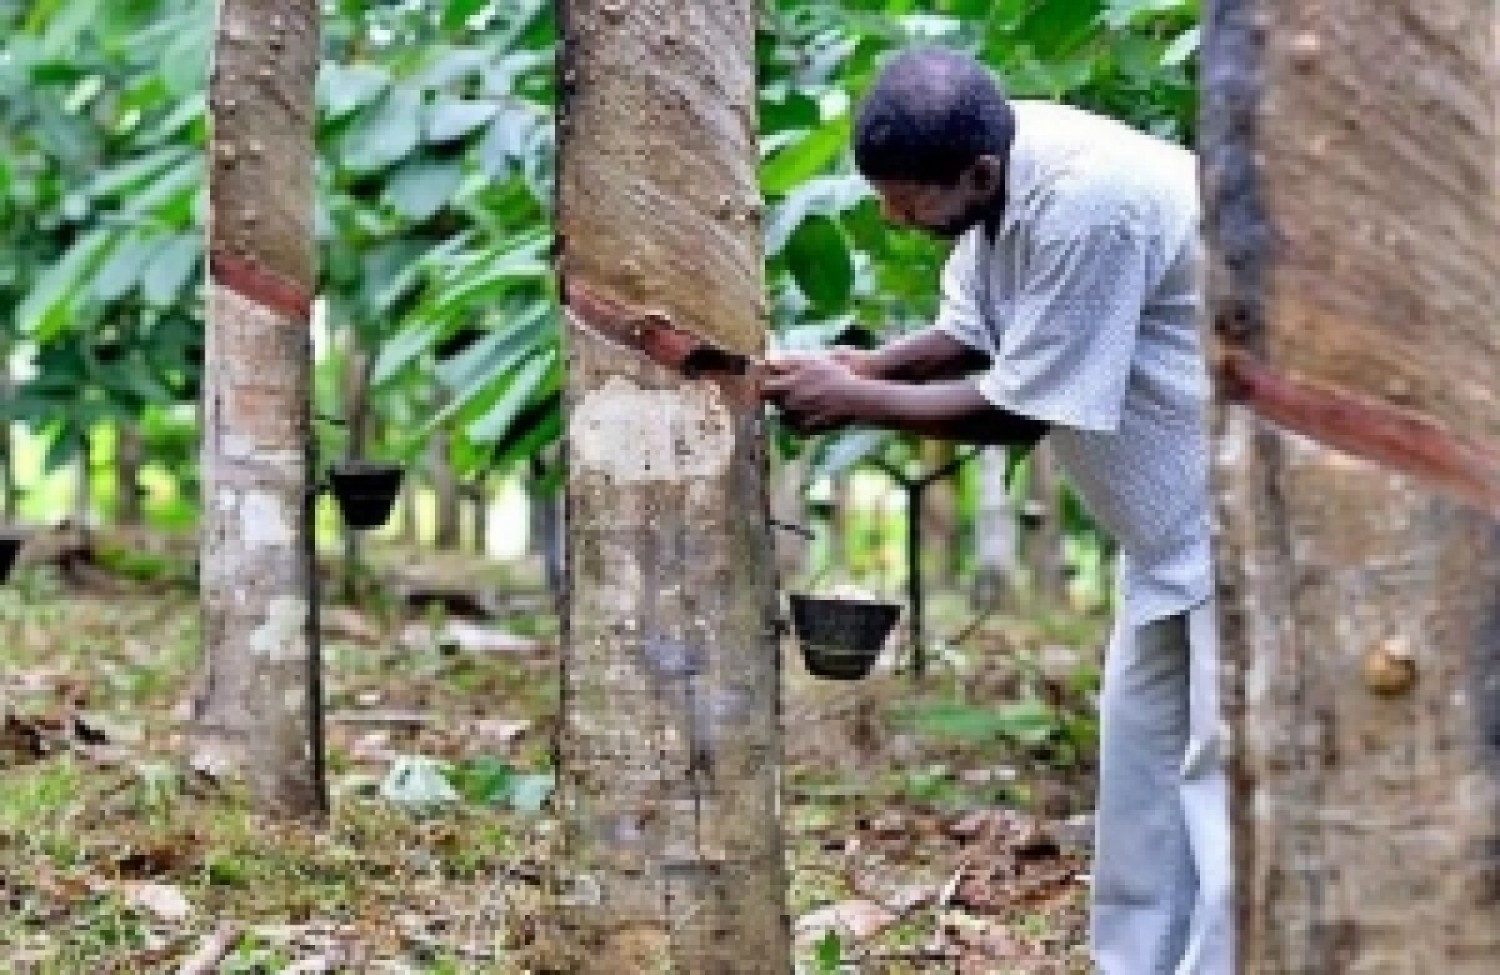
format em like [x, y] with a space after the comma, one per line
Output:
[1088, 299]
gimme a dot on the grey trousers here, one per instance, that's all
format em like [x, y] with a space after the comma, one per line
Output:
[1162, 900]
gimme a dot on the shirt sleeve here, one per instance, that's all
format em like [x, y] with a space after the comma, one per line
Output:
[1065, 355]
[959, 314]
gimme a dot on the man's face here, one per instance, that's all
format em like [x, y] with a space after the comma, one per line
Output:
[944, 211]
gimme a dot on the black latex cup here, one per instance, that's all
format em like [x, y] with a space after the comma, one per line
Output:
[841, 638]
[10, 547]
[365, 492]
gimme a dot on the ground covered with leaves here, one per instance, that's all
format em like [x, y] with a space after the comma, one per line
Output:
[931, 828]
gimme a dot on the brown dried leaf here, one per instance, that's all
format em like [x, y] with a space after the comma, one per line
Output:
[856, 919]
[163, 900]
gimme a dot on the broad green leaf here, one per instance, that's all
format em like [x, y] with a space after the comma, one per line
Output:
[345, 88]
[824, 195]
[495, 353]
[390, 271]
[818, 255]
[506, 139]
[121, 270]
[1029, 721]
[457, 12]
[175, 188]
[453, 118]
[527, 382]
[535, 427]
[485, 780]
[48, 308]
[69, 21]
[449, 64]
[136, 378]
[184, 66]
[1184, 47]
[65, 445]
[529, 793]
[483, 283]
[135, 172]
[170, 269]
[792, 110]
[829, 953]
[420, 188]
[385, 133]
[806, 158]
[409, 343]
[189, 111]
[417, 781]
[845, 450]
[1119, 14]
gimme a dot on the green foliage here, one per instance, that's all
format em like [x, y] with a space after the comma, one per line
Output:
[492, 781]
[434, 189]
[828, 953]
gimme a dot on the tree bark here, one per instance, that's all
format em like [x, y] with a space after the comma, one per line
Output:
[83, 481]
[941, 523]
[129, 458]
[259, 711]
[478, 493]
[1349, 162]
[9, 499]
[995, 533]
[411, 534]
[669, 747]
[1044, 542]
[448, 534]
[546, 538]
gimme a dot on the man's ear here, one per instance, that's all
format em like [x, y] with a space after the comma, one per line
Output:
[986, 176]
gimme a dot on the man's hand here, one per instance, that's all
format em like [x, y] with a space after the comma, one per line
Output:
[816, 392]
[864, 363]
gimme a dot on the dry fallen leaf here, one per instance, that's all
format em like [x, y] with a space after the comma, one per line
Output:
[889, 825]
[500, 732]
[163, 900]
[854, 919]
[343, 623]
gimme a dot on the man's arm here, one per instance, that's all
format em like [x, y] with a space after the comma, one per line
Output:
[820, 394]
[920, 357]
[953, 410]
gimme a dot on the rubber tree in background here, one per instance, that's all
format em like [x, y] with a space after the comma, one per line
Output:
[669, 747]
[259, 712]
[1349, 154]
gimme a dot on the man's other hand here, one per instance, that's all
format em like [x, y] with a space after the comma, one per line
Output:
[817, 392]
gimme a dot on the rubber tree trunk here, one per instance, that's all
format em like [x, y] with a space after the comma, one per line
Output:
[9, 499]
[83, 481]
[1044, 542]
[669, 746]
[259, 710]
[786, 488]
[942, 520]
[996, 532]
[478, 494]
[448, 534]
[411, 534]
[1349, 157]
[546, 539]
[129, 459]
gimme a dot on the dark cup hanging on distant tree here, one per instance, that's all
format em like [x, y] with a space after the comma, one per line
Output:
[365, 491]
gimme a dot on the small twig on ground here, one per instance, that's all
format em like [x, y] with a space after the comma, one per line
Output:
[913, 954]
[211, 950]
[980, 618]
[951, 887]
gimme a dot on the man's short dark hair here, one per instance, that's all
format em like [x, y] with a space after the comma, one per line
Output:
[930, 114]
